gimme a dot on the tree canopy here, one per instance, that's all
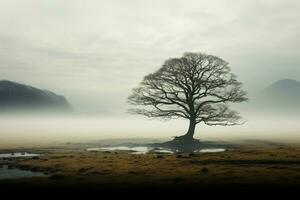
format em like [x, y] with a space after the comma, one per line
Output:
[197, 86]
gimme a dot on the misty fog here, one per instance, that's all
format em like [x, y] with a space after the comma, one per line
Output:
[22, 130]
[94, 53]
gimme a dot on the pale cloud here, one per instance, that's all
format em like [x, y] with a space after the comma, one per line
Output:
[95, 51]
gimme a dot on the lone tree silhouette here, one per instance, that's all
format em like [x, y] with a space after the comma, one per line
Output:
[197, 87]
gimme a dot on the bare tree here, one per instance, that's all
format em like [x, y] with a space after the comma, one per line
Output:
[197, 87]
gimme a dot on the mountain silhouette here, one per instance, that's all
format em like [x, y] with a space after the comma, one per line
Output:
[282, 96]
[15, 96]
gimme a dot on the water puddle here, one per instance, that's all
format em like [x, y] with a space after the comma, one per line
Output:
[145, 149]
[211, 150]
[19, 155]
[13, 173]
[132, 150]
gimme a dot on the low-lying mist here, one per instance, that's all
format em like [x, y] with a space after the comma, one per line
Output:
[41, 129]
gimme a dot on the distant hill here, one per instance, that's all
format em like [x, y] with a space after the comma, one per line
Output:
[282, 96]
[18, 97]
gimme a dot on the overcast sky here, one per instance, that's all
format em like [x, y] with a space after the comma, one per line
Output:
[95, 51]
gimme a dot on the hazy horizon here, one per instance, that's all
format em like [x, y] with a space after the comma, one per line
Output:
[20, 130]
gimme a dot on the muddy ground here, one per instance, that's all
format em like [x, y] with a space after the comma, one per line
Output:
[252, 165]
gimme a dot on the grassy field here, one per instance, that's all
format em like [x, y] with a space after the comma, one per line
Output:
[247, 166]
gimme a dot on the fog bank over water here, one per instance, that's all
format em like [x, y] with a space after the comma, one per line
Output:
[32, 130]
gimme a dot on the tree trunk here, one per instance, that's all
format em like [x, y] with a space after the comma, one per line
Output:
[186, 142]
[191, 131]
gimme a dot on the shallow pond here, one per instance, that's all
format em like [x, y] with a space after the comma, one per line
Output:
[145, 149]
[12, 173]
[215, 150]
[18, 155]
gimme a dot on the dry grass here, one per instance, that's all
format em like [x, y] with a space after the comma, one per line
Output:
[243, 167]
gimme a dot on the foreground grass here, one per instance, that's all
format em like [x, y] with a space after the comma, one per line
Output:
[245, 168]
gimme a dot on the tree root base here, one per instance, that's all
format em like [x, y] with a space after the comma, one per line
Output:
[182, 144]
